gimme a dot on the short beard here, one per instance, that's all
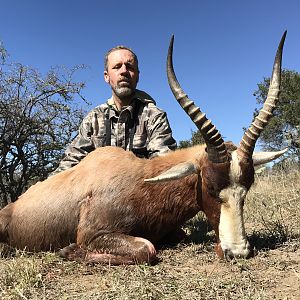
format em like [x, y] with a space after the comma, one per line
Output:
[123, 91]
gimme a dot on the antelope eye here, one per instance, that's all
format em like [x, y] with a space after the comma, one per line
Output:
[213, 191]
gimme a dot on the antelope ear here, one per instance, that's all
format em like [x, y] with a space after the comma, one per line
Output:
[179, 171]
[260, 158]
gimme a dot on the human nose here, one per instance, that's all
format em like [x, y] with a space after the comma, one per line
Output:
[123, 69]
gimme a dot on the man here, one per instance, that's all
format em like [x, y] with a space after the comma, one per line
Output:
[129, 119]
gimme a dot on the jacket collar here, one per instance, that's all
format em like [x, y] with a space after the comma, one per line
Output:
[138, 96]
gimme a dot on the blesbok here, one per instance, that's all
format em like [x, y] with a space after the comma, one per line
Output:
[114, 207]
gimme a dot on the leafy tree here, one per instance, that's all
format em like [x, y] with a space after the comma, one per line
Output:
[38, 117]
[195, 140]
[3, 53]
[283, 130]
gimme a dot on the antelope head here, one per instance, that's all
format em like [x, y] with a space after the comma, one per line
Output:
[238, 164]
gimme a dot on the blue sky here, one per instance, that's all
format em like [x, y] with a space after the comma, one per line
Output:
[222, 48]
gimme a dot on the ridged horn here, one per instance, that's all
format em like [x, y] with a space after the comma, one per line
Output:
[250, 137]
[216, 148]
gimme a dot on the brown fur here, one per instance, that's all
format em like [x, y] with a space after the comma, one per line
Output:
[103, 204]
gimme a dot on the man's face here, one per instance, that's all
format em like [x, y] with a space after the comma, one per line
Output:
[122, 73]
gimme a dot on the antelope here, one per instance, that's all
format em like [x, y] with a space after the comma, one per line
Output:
[114, 207]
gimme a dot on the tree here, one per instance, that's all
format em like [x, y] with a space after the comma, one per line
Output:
[283, 130]
[195, 140]
[38, 118]
[3, 53]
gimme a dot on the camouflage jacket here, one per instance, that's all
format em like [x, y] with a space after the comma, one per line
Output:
[140, 127]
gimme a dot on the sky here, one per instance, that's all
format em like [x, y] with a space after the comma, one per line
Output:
[222, 48]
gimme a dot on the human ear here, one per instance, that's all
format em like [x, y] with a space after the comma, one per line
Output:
[106, 76]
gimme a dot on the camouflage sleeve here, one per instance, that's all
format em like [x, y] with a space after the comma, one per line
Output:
[78, 149]
[161, 140]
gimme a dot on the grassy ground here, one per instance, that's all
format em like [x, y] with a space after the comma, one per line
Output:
[187, 271]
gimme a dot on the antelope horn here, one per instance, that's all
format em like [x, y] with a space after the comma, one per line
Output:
[250, 137]
[216, 148]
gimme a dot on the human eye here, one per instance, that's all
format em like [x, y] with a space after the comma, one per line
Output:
[130, 66]
[117, 66]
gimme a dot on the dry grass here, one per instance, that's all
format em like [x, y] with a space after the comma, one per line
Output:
[187, 271]
[273, 208]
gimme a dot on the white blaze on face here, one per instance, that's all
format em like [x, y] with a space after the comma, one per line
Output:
[231, 228]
